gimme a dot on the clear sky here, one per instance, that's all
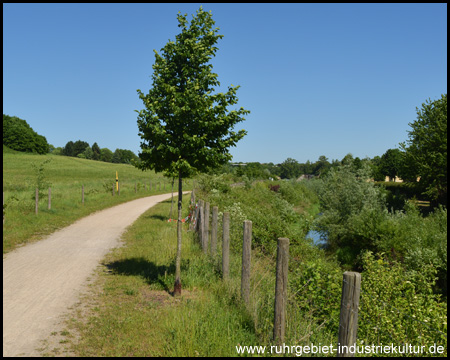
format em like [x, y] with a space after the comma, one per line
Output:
[319, 79]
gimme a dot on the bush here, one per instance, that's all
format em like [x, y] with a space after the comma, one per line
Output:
[352, 211]
[398, 306]
[271, 214]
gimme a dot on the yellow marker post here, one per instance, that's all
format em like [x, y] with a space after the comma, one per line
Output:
[117, 182]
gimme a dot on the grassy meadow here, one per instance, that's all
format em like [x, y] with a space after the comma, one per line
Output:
[65, 176]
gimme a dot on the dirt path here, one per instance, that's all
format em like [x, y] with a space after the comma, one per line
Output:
[42, 280]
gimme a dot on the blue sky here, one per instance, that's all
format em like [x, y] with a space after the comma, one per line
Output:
[319, 79]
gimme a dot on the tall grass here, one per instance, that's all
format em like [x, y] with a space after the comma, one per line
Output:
[65, 176]
[137, 316]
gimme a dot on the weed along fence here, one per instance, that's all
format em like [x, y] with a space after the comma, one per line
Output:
[362, 323]
[33, 199]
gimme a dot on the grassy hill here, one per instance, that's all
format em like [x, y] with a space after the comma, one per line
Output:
[65, 176]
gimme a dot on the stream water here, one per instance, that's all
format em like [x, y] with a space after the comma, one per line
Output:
[315, 236]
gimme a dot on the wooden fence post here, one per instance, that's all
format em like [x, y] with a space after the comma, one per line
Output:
[37, 200]
[200, 221]
[279, 323]
[196, 216]
[49, 198]
[193, 213]
[348, 321]
[246, 257]
[206, 228]
[215, 214]
[226, 246]
[118, 188]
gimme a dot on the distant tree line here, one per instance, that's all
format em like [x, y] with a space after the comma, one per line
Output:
[83, 150]
[421, 161]
[19, 136]
[290, 168]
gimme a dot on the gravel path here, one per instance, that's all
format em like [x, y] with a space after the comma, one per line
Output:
[42, 280]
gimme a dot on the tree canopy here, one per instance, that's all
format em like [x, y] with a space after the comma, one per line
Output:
[391, 163]
[426, 149]
[18, 135]
[185, 127]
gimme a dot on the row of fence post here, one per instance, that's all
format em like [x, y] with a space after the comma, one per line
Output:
[351, 284]
[82, 194]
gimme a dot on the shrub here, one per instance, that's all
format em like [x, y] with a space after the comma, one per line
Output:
[398, 306]
[274, 188]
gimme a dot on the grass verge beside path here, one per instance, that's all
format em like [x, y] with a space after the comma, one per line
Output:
[133, 312]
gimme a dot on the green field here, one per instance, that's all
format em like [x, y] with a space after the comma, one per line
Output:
[65, 176]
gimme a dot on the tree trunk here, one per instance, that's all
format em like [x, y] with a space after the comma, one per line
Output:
[171, 204]
[177, 286]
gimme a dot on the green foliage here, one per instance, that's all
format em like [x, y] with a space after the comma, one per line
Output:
[272, 215]
[426, 149]
[123, 156]
[398, 193]
[87, 153]
[416, 240]
[253, 171]
[352, 208]
[317, 287]
[96, 152]
[68, 150]
[185, 127]
[18, 135]
[298, 194]
[79, 147]
[41, 182]
[289, 169]
[399, 307]
[355, 218]
[391, 163]
[213, 183]
[106, 155]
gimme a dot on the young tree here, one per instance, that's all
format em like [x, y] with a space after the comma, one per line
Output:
[185, 127]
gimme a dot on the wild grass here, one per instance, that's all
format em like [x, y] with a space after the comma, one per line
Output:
[65, 176]
[136, 315]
